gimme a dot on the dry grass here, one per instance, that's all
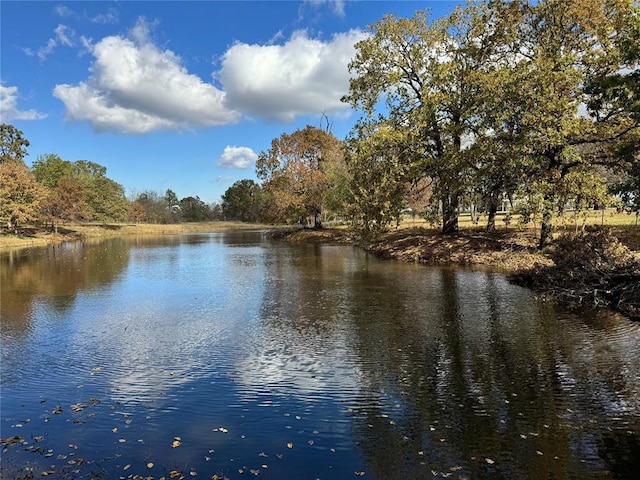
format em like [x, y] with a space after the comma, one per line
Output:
[31, 237]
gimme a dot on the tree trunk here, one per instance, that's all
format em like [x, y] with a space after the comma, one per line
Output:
[546, 228]
[491, 216]
[449, 214]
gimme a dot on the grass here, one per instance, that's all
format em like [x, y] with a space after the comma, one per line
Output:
[33, 237]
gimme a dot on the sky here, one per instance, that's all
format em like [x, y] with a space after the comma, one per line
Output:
[180, 95]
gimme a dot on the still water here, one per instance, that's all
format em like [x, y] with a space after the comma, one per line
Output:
[233, 355]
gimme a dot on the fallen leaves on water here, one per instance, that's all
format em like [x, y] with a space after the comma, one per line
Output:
[174, 474]
[57, 410]
[359, 474]
[127, 466]
[114, 429]
[176, 443]
[489, 461]
[290, 445]
[150, 465]
[256, 472]
[47, 473]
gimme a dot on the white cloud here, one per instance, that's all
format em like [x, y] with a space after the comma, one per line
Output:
[280, 82]
[111, 16]
[337, 5]
[134, 87]
[63, 36]
[237, 157]
[9, 106]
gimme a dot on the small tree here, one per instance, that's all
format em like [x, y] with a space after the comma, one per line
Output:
[21, 197]
[294, 172]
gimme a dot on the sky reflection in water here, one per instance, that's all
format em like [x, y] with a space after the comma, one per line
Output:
[242, 347]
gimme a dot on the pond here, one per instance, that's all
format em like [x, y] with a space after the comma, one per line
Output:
[234, 355]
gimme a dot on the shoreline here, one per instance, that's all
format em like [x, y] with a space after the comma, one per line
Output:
[511, 252]
[605, 274]
[33, 238]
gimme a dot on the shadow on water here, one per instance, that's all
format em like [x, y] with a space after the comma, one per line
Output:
[241, 347]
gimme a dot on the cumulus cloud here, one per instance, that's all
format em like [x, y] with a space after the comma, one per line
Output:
[237, 157]
[135, 87]
[280, 82]
[9, 106]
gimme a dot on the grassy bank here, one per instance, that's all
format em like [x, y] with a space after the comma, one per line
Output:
[34, 237]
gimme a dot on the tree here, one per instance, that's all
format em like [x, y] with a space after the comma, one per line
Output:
[429, 77]
[173, 213]
[137, 212]
[155, 206]
[293, 172]
[380, 175]
[567, 54]
[193, 209]
[13, 146]
[21, 196]
[50, 168]
[105, 198]
[66, 202]
[243, 201]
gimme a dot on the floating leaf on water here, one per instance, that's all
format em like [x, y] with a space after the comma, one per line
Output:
[359, 474]
[57, 410]
[71, 445]
[539, 452]
[175, 444]
[264, 465]
[114, 429]
[298, 417]
[255, 472]
[332, 450]
[223, 430]
[489, 461]
[127, 466]
[208, 459]
[421, 452]
[38, 438]
[240, 471]
[122, 440]
[290, 445]
[150, 465]
[47, 472]
[174, 474]
[193, 473]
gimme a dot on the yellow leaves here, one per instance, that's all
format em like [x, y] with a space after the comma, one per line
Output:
[127, 466]
[174, 474]
[150, 465]
[290, 445]
[176, 442]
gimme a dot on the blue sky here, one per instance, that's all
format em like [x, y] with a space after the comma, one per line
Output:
[179, 95]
